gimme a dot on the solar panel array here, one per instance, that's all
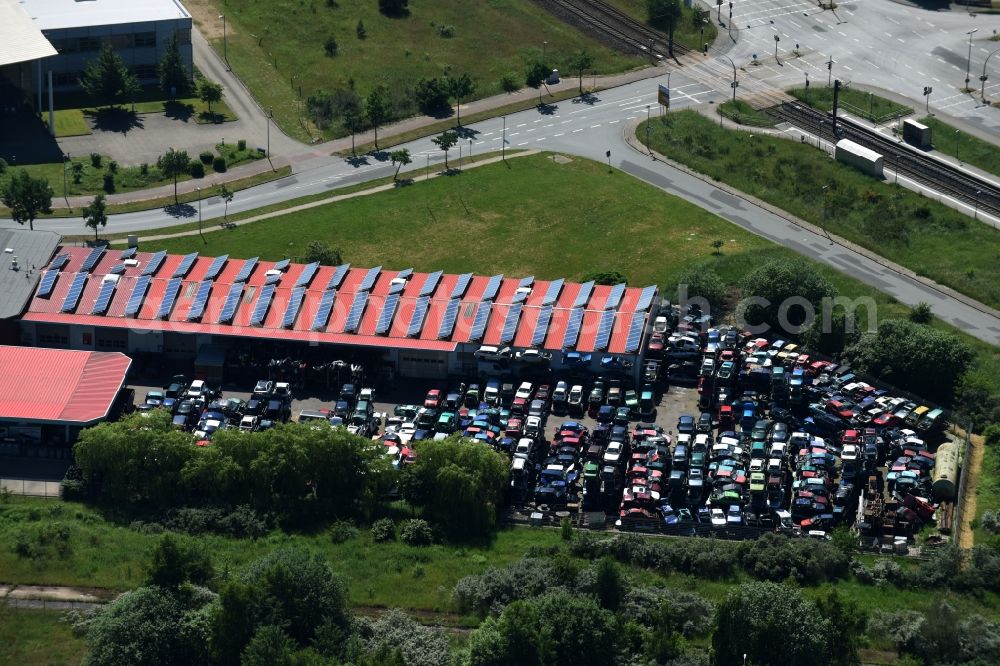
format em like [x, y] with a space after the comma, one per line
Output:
[185, 266]
[388, 312]
[92, 259]
[542, 326]
[510, 323]
[200, 300]
[63, 259]
[74, 293]
[127, 253]
[604, 329]
[138, 295]
[492, 287]
[154, 263]
[272, 278]
[232, 302]
[646, 298]
[519, 295]
[447, 326]
[282, 265]
[479, 323]
[419, 314]
[526, 282]
[553, 291]
[323, 311]
[461, 285]
[263, 303]
[370, 278]
[635, 332]
[246, 270]
[217, 265]
[397, 286]
[573, 326]
[294, 304]
[357, 309]
[615, 297]
[169, 298]
[47, 283]
[117, 269]
[406, 273]
[307, 274]
[582, 296]
[104, 297]
[430, 283]
[338, 276]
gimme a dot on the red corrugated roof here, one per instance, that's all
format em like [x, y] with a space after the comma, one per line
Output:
[59, 385]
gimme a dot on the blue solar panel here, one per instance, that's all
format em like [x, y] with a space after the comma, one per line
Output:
[615, 297]
[117, 269]
[430, 283]
[185, 266]
[92, 259]
[246, 270]
[74, 293]
[338, 276]
[635, 332]
[128, 253]
[604, 329]
[573, 328]
[231, 304]
[463, 283]
[419, 313]
[138, 295]
[646, 298]
[169, 298]
[324, 309]
[307, 274]
[450, 317]
[388, 312]
[62, 260]
[357, 309]
[217, 264]
[281, 265]
[583, 295]
[47, 283]
[406, 273]
[397, 286]
[510, 323]
[104, 297]
[479, 324]
[519, 295]
[542, 326]
[272, 278]
[526, 282]
[292, 309]
[200, 300]
[492, 287]
[552, 293]
[369, 280]
[154, 263]
[263, 303]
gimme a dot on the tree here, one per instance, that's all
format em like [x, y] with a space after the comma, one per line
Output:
[717, 246]
[446, 141]
[226, 195]
[783, 284]
[606, 278]
[174, 79]
[770, 624]
[270, 646]
[172, 164]
[833, 336]
[460, 87]
[360, 30]
[919, 358]
[95, 214]
[330, 47]
[26, 197]
[580, 62]
[418, 644]
[209, 92]
[513, 638]
[431, 95]
[535, 76]
[847, 622]
[509, 84]
[701, 282]
[664, 14]
[178, 560]
[393, 7]
[377, 108]
[399, 158]
[921, 313]
[610, 584]
[577, 630]
[106, 78]
[322, 252]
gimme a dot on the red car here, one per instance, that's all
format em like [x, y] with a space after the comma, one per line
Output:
[849, 437]
[433, 399]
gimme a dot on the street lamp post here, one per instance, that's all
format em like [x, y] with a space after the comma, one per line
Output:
[735, 84]
[975, 215]
[807, 85]
[225, 41]
[269, 115]
[503, 140]
[544, 49]
[968, 62]
[829, 71]
[199, 213]
[730, 24]
[65, 191]
[958, 146]
[649, 147]
[982, 91]
[776, 40]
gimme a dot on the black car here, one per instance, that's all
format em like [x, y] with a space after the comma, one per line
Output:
[254, 407]
[705, 422]
[342, 409]
[277, 410]
[264, 388]
[187, 414]
[686, 425]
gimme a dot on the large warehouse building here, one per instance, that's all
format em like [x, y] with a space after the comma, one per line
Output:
[419, 324]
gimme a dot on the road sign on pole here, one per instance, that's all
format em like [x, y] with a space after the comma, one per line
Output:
[664, 96]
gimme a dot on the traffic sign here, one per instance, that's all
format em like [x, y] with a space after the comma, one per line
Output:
[664, 96]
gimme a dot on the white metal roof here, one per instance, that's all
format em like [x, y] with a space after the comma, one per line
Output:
[858, 149]
[20, 39]
[58, 14]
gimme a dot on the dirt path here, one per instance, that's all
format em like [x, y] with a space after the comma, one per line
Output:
[973, 469]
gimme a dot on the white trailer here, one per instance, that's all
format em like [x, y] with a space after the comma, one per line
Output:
[859, 157]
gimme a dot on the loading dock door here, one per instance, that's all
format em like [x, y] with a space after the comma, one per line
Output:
[423, 365]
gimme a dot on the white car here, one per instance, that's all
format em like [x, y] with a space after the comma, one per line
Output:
[248, 423]
[524, 448]
[490, 353]
[660, 325]
[533, 356]
[757, 465]
[576, 396]
[524, 390]
[533, 426]
[559, 393]
[718, 518]
[197, 390]
[613, 453]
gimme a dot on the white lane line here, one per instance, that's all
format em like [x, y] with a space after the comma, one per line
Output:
[532, 129]
[612, 122]
[523, 143]
[522, 124]
[597, 125]
[559, 134]
[549, 125]
[577, 130]
[541, 139]
[489, 133]
[565, 121]
[514, 133]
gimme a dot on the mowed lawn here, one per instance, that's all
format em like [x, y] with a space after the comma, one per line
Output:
[966, 147]
[277, 47]
[35, 637]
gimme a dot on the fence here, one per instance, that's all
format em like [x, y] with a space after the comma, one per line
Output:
[31, 487]
[962, 476]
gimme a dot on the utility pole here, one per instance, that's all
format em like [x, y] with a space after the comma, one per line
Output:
[829, 71]
[836, 103]
[983, 78]
[927, 93]
[968, 63]
[503, 140]
[225, 42]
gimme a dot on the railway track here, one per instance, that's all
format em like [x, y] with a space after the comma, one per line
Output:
[921, 168]
[620, 27]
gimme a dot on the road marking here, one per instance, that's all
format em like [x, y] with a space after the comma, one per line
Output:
[560, 134]
[577, 130]
[847, 68]
[565, 121]
[541, 139]
[514, 133]
[612, 122]
[597, 125]
[489, 133]
[549, 125]
[842, 34]
[523, 143]
[522, 124]
[900, 40]
[887, 34]
[532, 129]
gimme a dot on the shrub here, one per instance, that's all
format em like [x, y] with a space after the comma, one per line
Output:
[990, 522]
[446, 31]
[510, 83]
[3, 166]
[206, 156]
[240, 522]
[241, 144]
[431, 95]
[196, 169]
[416, 532]
[144, 169]
[72, 490]
[112, 167]
[219, 164]
[109, 182]
[566, 529]
[360, 30]
[95, 160]
[383, 529]
[330, 47]
[494, 588]
[342, 530]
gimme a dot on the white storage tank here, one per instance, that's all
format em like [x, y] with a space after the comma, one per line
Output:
[946, 470]
[859, 157]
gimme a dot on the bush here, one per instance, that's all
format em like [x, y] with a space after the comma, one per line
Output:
[196, 169]
[510, 83]
[416, 532]
[494, 588]
[343, 530]
[144, 169]
[330, 47]
[112, 167]
[95, 160]
[3, 166]
[446, 31]
[72, 490]
[241, 522]
[206, 156]
[566, 529]
[241, 145]
[219, 164]
[109, 183]
[990, 522]
[360, 30]
[383, 529]
[431, 95]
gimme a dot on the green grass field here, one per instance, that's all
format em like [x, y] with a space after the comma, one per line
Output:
[915, 231]
[687, 32]
[34, 638]
[742, 113]
[277, 48]
[69, 122]
[965, 147]
[860, 103]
